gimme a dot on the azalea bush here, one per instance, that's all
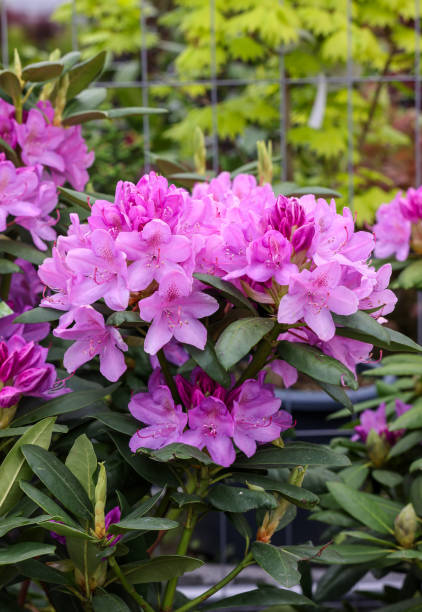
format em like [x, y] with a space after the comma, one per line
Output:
[374, 506]
[184, 301]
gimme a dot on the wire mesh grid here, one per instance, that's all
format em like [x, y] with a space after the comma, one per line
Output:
[349, 80]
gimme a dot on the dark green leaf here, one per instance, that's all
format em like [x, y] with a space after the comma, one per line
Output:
[315, 364]
[412, 419]
[14, 467]
[160, 568]
[294, 453]
[355, 475]
[177, 450]
[415, 465]
[145, 506]
[22, 250]
[36, 570]
[108, 602]
[38, 315]
[42, 71]
[400, 342]
[19, 431]
[69, 60]
[24, 550]
[337, 581]
[8, 267]
[66, 530]
[209, 362]
[258, 598]
[338, 394]
[237, 499]
[123, 423]
[10, 83]
[66, 403]
[281, 566]
[14, 522]
[183, 499]
[321, 192]
[332, 517]
[361, 323]
[134, 111]
[296, 495]
[59, 480]
[74, 197]
[125, 317]
[373, 511]
[145, 523]
[82, 74]
[241, 524]
[82, 462]
[387, 478]
[47, 504]
[83, 117]
[411, 276]
[233, 295]
[409, 605]
[10, 153]
[239, 338]
[349, 554]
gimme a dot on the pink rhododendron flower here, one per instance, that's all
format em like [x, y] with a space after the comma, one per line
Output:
[376, 420]
[312, 295]
[76, 159]
[112, 517]
[7, 127]
[93, 337]
[392, 231]
[39, 140]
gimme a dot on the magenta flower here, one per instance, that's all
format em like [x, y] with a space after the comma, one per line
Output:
[376, 420]
[7, 128]
[41, 226]
[211, 426]
[411, 204]
[392, 231]
[39, 140]
[18, 189]
[153, 251]
[311, 297]
[93, 337]
[76, 159]
[166, 421]
[381, 296]
[174, 311]
[24, 371]
[102, 272]
[112, 517]
[283, 369]
[257, 417]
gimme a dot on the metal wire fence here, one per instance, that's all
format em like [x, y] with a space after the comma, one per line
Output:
[350, 80]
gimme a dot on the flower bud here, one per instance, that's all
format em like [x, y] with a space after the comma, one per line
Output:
[265, 162]
[411, 205]
[405, 526]
[288, 214]
[377, 447]
[100, 501]
[303, 236]
[61, 99]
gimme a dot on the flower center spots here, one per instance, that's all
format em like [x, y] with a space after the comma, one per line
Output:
[209, 429]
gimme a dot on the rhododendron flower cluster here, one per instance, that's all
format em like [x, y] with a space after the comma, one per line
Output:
[376, 420]
[214, 418]
[399, 225]
[297, 258]
[51, 155]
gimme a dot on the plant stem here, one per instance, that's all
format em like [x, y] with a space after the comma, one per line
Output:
[181, 550]
[235, 571]
[260, 358]
[169, 378]
[129, 587]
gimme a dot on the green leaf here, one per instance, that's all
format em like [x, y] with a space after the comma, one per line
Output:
[83, 117]
[355, 475]
[69, 60]
[8, 267]
[239, 338]
[66, 530]
[294, 453]
[415, 465]
[337, 581]
[5, 310]
[405, 443]
[42, 71]
[177, 450]
[145, 523]
[74, 197]
[134, 111]
[387, 478]
[39, 315]
[281, 566]
[123, 423]
[108, 602]
[237, 499]
[332, 517]
[183, 499]
[145, 506]
[82, 462]
[10, 83]
[362, 324]
[338, 394]
[36, 570]
[14, 467]
[10, 153]
[409, 605]
[85, 555]
[412, 419]
[257, 598]
[14, 522]
[59, 480]
[400, 342]
[241, 525]
[82, 74]
[373, 511]
[22, 250]
[24, 550]
[348, 554]
[296, 495]
[160, 568]
[66, 403]
[233, 295]
[125, 317]
[209, 362]
[315, 364]
[321, 192]
[152, 471]
[411, 276]
[47, 504]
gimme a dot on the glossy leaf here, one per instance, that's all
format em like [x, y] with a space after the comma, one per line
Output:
[22, 250]
[338, 394]
[66, 403]
[109, 602]
[362, 324]
[47, 503]
[387, 478]
[160, 568]
[10, 83]
[8, 267]
[296, 495]
[373, 511]
[125, 317]
[42, 71]
[24, 550]
[177, 450]
[38, 315]
[14, 522]
[36, 570]
[237, 499]
[83, 117]
[316, 364]
[145, 506]
[59, 480]
[123, 423]
[82, 74]
[82, 462]
[337, 581]
[145, 523]
[239, 338]
[294, 453]
[66, 530]
[278, 564]
[256, 599]
[233, 295]
[134, 111]
[209, 362]
[15, 468]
